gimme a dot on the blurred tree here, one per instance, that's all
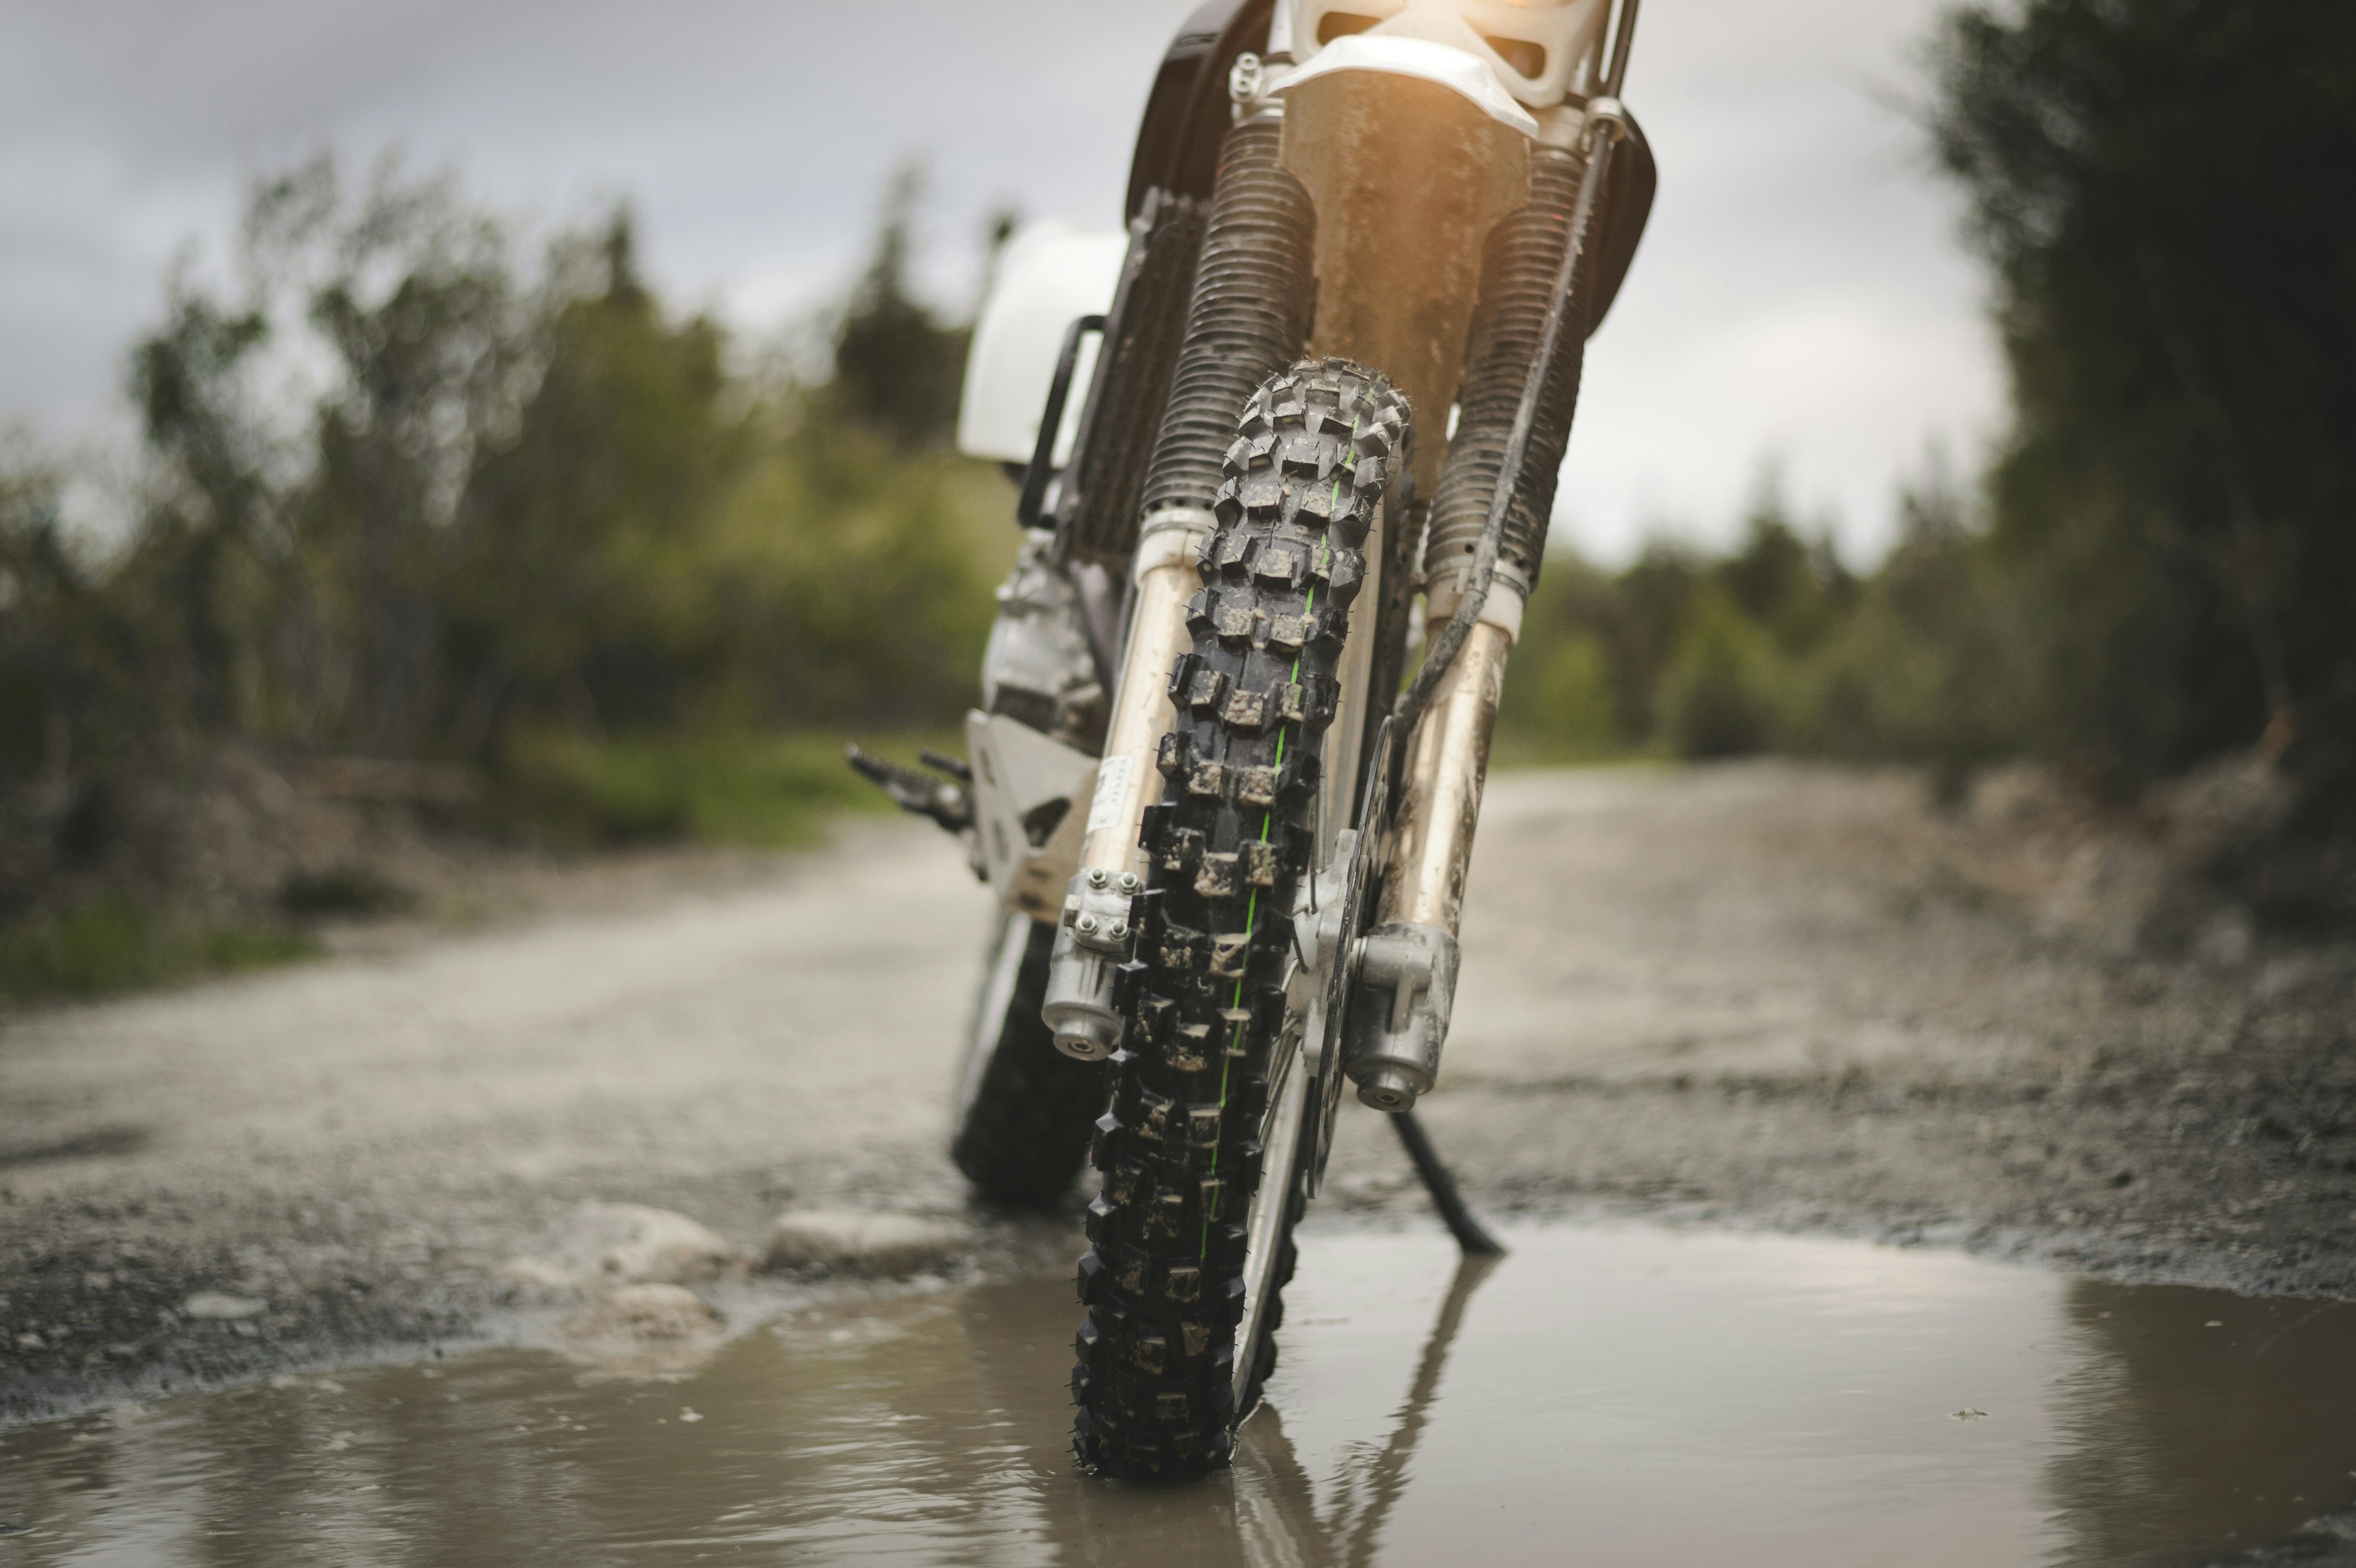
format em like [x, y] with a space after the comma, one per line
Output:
[996, 230]
[435, 347]
[1639, 624]
[214, 498]
[1721, 693]
[80, 698]
[875, 574]
[303, 574]
[407, 500]
[1796, 587]
[486, 503]
[583, 588]
[1929, 662]
[2161, 188]
[1563, 699]
[898, 368]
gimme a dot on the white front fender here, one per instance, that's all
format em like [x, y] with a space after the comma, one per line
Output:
[1449, 67]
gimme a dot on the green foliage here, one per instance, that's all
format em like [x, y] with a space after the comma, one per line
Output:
[512, 505]
[409, 497]
[727, 786]
[1721, 693]
[1579, 616]
[718, 788]
[1558, 706]
[863, 577]
[90, 694]
[590, 547]
[117, 944]
[1934, 664]
[517, 506]
[2159, 187]
[1778, 647]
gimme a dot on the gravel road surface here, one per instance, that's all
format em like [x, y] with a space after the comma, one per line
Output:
[1760, 995]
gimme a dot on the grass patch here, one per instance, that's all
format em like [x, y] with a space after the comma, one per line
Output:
[116, 946]
[770, 792]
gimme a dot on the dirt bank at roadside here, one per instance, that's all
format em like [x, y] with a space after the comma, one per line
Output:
[1766, 994]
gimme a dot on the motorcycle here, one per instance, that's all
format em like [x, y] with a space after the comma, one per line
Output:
[1287, 448]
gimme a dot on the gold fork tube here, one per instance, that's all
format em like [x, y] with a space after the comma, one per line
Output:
[1127, 780]
[1439, 800]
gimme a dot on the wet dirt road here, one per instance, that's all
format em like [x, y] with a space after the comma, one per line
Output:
[1762, 996]
[1624, 1393]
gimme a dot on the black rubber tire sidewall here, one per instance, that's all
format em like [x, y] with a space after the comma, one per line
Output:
[1025, 1135]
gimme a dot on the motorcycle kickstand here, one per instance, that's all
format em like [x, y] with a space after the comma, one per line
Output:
[1473, 1237]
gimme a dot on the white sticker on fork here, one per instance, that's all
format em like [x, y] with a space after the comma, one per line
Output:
[1112, 793]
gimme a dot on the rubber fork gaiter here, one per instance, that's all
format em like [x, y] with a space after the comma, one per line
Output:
[1249, 317]
[1518, 273]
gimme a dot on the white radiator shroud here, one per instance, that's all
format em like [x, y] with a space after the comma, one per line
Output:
[1049, 275]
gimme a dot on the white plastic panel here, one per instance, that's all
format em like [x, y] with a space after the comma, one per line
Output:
[1050, 273]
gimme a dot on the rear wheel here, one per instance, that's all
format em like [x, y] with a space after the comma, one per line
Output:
[1189, 1254]
[1024, 1110]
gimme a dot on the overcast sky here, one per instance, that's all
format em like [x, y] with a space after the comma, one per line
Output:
[1800, 297]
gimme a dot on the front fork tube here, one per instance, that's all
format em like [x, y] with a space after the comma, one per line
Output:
[1406, 985]
[1407, 977]
[1094, 938]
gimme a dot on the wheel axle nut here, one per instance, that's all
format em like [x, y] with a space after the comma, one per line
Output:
[1389, 1090]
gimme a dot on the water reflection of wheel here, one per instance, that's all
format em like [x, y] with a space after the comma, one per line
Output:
[1184, 1276]
[1024, 1109]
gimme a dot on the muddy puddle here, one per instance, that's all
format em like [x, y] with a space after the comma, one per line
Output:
[1624, 1395]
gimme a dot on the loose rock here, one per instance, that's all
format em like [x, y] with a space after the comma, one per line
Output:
[850, 1239]
[218, 1307]
[623, 1243]
[645, 1312]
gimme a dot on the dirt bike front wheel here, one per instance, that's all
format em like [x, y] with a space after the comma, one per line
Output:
[1183, 1278]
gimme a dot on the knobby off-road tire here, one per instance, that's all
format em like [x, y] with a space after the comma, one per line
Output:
[1025, 1110]
[1203, 1001]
